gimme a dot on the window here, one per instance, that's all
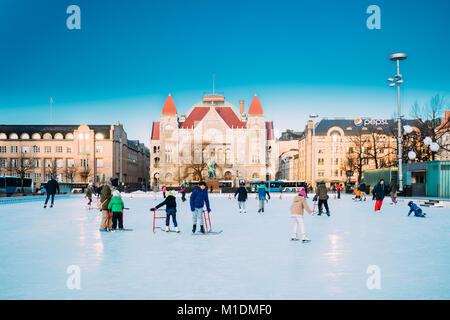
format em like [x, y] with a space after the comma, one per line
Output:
[14, 163]
[13, 136]
[336, 173]
[2, 149]
[69, 136]
[14, 149]
[70, 163]
[84, 162]
[47, 149]
[321, 173]
[99, 136]
[3, 163]
[36, 149]
[227, 156]
[25, 149]
[69, 149]
[25, 136]
[350, 149]
[99, 163]
[47, 136]
[37, 163]
[36, 177]
[3, 136]
[59, 163]
[87, 149]
[36, 136]
[48, 163]
[321, 161]
[59, 149]
[59, 136]
[99, 149]
[80, 149]
[336, 136]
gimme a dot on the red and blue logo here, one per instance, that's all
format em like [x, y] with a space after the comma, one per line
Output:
[358, 122]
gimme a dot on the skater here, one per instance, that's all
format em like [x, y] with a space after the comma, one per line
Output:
[339, 189]
[379, 192]
[105, 198]
[116, 206]
[183, 193]
[164, 189]
[393, 191]
[357, 193]
[171, 210]
[89, 192]
[362, 188]
[322, 195]
[416, 209]
[199, 198]
[262, 192]
[242, 197]
[210, 189]
[51, 187]
[297, 208]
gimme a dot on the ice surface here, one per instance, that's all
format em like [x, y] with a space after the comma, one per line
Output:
[252, 259]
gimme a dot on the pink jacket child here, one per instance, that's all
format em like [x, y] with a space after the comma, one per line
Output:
[302, 192]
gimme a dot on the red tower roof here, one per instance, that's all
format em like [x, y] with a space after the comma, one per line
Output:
[169, 107]
[255, 107]
[155, 131]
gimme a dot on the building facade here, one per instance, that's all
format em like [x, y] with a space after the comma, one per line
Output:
[241, 146]
[443, 133]
[340, 147]
[73, 153]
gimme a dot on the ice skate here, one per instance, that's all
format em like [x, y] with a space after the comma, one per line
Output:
[294, 237]
[167, 229]
[45, 206]
[328, 214]
[202, 229]
[305, 239]
[194, 227]
[177, 230]
[51, 206]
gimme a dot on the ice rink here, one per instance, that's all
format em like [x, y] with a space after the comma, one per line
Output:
[252, 259]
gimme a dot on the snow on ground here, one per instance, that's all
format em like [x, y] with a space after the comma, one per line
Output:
[252, 259]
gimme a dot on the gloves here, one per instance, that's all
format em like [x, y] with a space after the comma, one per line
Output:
[153, 209]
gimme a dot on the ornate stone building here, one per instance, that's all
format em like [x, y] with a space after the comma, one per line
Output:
[241, 145]
[73, 153]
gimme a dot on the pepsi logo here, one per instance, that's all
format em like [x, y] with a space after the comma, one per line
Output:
[358, 122]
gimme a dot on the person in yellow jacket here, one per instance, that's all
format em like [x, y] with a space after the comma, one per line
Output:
[297, 208]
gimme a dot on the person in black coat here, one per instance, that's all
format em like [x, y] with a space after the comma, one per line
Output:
[51, 187]
[362, 188]
[171, 210]
[379, 192]
[241, 192]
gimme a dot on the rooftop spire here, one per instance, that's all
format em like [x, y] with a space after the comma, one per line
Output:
[255, 107]
[169, 107]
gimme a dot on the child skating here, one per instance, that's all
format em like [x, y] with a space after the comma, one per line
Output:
[297, 208]
[262, 193]
[242, 197]
[199, 198]
[116, 206]
[171, 210]
[416, 209]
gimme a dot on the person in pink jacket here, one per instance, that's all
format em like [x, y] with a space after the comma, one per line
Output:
[164, 190]
[297, 208]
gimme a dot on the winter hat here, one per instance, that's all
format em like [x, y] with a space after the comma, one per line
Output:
[116, 193]
[170, 193]
[202, 183]
[410, 204]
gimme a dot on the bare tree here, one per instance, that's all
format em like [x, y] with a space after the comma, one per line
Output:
[84, 170]
[428, 116]
[70, 172]
[356, 157]
[51, 168]
[199, 164]
[23, 167]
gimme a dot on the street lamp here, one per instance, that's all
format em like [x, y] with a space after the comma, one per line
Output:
[313, 116]
[397, 81]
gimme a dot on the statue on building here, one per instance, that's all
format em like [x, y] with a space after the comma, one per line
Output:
[211, 168]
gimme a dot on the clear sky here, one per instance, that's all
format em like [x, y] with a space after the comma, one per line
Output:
[298, 56]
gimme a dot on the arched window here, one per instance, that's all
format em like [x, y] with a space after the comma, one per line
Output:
[59, 136]
[3, 136]
[228, 175]
[47, 136]
[36, 136]
[169, 177]
[336, 136]
[156, 160]
[227, 156]
[69, 136]
[13, 136]
[99, 136]
[25, 136]
[255, 175]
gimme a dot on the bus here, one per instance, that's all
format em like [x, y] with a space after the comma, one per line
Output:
[274, 185]
[10, 185]
[68, 187]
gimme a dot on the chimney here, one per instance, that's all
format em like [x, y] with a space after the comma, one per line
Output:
[241, 106]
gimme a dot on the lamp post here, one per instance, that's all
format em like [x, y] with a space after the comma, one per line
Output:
[397, 81]
[313, 116]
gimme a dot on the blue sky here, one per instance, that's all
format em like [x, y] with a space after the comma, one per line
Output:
[298, 56]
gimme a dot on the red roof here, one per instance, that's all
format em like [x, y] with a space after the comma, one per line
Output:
[227, 114]
[169, 107]
[155, 131]
[255, 107]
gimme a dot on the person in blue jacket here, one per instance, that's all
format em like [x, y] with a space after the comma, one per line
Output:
[199, 198]
[416, 209]
[262, 192]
